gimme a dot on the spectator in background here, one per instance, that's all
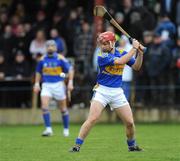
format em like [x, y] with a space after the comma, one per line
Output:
[20, 68]
[80, 13]
[127, 6]
[176, 70]
[126, 9]
[20, 11]
[142, 83]
[28, 32]
[60, 17]
[62, 7]
[158, 68]
[167, 30]
[60, 42]
[41, 22]
[178, 17]
[3, 67]
[43, 5]
[127, 72]
[21, 40]
[83, 47]
[3, 73]
[59, 23]
[38, 45]
[3, 8]
[142, 77]
[119, 17]
[15, 20]
[73, 27]
[46, 6]
[146, 17]
[7, 41]
[136, 25]
[3, 21]
[168, 8]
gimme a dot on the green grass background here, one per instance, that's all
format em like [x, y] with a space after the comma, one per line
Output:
[106, 142]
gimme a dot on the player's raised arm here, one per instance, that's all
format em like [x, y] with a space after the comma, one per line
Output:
[138, 62]
[124, 59]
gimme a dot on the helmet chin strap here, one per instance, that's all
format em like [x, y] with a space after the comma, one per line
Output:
[112, 44]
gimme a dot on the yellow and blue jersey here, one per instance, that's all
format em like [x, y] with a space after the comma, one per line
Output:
[110, 74]
[50, 68]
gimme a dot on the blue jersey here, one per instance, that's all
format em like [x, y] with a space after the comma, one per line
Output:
[50, 68]
[110, 74]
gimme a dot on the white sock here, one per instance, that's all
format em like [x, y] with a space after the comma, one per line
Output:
[49, 129]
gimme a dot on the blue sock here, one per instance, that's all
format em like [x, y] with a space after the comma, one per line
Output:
[65, 119]
[79, 141]
[131, 142]
[46, 118]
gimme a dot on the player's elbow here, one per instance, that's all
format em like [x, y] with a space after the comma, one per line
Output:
[119, 62]
[137, 69]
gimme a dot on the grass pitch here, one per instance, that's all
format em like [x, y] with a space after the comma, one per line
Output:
[106, 142]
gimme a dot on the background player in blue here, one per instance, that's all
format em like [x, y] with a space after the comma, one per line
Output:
[111, 62]
[49, 70]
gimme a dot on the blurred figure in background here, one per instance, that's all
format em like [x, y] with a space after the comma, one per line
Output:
[142, 76]
[142, 84]
[167, 30]
[38, 45]
[158, 68]
[20, 73]
[59, 22]
[60, 42]
[176, 70]
[73, 28]
[7, 41]
[168, 8]
[3, 21]
[3, 74]
[22, 41]
[48, 71]
[41, 22]
[20, 68]
[83, 48]
[127, 75]
[3, 66]
[178, 17]
[20, 11]
[15, 20]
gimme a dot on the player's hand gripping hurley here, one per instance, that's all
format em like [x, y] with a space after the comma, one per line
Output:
[102, 12]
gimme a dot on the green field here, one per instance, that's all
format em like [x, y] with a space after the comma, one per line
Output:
[106, 142]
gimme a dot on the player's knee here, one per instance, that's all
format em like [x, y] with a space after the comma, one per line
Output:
[129, 124]
[64, 112]
[93, 119]
[45, 110]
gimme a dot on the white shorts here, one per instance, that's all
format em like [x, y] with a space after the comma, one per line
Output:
[113, 96]
[54, 90]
